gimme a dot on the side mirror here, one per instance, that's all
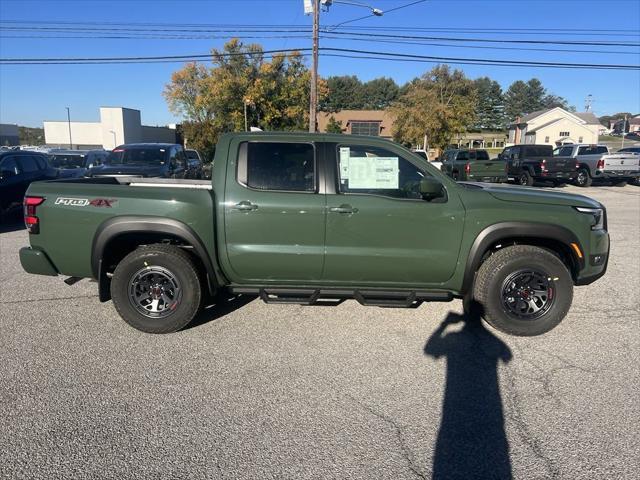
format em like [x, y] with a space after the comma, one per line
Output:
[431, 188]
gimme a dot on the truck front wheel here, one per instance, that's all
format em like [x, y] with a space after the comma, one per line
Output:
[156, 289]
[523, 290]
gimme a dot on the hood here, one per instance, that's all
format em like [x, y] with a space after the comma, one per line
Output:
[137, 170]
[539, 196]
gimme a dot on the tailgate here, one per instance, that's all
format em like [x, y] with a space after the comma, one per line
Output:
[488, 168]
[621, 162]
[560, 164]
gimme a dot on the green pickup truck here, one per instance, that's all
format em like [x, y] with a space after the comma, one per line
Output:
[312, 219]
[473, 165]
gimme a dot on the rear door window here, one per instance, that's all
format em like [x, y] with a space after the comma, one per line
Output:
[277, 166]
[28, 164]
[566, 152]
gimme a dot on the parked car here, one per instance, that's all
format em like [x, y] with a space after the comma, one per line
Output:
[298, 217]
[194, 164]
[18, 168]
[423, 154]
[473, 165]
[527, 164]
[594, 162]
[165, 160]
[633, 150]
[76, 163]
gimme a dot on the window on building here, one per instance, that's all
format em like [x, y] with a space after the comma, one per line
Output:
[365, 128]
[377, 171]
[579, 139]
[277, 166]
[565, 134]
[546, 139]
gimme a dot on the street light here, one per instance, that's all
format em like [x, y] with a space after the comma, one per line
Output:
[69, 123]
[313, 100]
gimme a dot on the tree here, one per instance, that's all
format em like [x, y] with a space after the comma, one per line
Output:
[522, 98]
[490, 107]
[212, 100]
[439, 104]
[379, 93]
[334, 126]
[344, 93]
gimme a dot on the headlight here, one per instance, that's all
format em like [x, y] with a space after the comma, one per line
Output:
[598, 216]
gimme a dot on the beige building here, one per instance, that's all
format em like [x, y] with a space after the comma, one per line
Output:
[359, 122]
[555, 126]
[117, 125]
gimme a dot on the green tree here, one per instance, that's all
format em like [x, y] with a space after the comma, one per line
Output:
[439, 104]
[490, 107]
[344, 93]
[31, 135]
[516, 100]
[379, 93]
[523, 98]
[334, 126]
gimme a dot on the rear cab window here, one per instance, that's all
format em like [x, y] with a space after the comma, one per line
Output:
[277, 166]
[137, 156]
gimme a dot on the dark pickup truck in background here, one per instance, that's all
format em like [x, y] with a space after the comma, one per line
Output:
[309, 218]
[527, 164]
[473, 165]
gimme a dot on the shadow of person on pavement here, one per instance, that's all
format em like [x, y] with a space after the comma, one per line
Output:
[472, 443]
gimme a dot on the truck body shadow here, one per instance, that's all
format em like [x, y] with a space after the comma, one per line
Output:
[223, 305]
[471, 442]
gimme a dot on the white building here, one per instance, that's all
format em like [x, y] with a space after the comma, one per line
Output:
[555, 127]
[117, 125]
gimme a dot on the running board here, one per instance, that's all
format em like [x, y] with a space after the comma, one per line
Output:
[318, 296]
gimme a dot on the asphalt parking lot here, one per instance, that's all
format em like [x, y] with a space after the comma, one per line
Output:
[285, 391]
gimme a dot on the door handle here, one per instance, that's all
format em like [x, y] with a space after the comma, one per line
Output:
[245, 206]
[344, 208]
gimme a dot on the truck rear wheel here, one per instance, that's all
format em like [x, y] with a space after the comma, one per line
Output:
[583, 179]
[525, 179]
[523, 290]
[156, 289]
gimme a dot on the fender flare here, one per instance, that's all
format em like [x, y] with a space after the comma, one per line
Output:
[115, 226]
[503, 230]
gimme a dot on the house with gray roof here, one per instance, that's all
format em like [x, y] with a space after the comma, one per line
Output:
[555, 126]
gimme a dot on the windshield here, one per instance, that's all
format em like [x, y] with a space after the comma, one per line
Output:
[67, 161]
[192, 155]
[137, 156]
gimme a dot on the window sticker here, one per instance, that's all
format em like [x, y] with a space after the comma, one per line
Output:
[373, 172]
[344, 163]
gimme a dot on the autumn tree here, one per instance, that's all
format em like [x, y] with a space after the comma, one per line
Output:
[212, 100]
[439, 105]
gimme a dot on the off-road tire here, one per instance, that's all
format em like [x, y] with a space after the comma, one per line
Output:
[583, 179]
[525, 179]
[173, 260]
[493, 274]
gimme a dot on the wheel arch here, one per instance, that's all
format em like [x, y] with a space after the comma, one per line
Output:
[554, 238]
[129, 232]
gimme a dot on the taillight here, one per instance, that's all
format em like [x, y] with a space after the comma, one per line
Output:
[543, 165]
[577, 165]
[600, 164]
[467, 168]
[31, 221]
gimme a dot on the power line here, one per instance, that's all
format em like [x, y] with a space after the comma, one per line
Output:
[368, 53]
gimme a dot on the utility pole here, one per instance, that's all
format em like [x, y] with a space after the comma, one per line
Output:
[69, 123]
[313, 100]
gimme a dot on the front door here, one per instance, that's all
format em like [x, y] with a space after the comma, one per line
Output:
[274, 212]
[380, 231]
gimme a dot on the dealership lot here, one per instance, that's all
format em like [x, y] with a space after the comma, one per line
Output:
[285, 391]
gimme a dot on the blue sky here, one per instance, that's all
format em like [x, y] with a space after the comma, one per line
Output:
[31, 94]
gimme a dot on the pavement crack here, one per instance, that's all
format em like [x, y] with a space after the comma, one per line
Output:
[33, 300]
[404, 448]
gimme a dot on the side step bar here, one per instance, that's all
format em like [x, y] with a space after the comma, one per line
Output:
[315, 296]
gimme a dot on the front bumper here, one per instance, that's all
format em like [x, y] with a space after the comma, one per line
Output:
[37, 262]
[596, 258]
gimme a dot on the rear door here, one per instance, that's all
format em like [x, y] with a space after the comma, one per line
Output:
[379, 229]
[274, 213]
[11, 183]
